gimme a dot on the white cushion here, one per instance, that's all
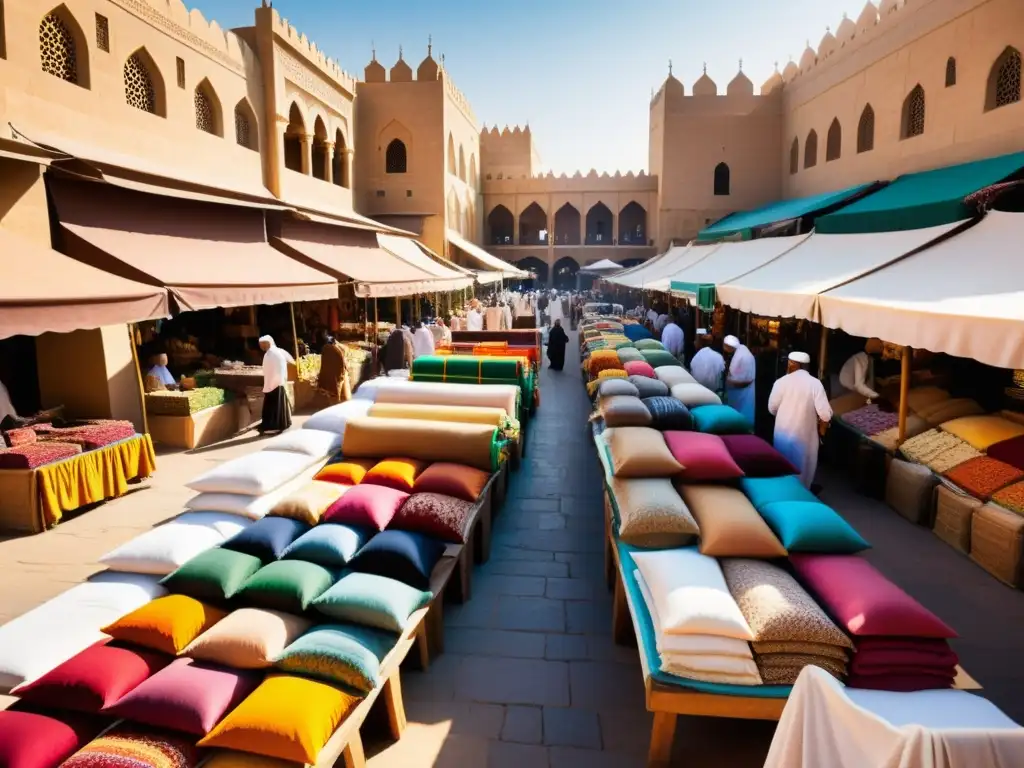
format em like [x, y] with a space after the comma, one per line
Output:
[254, 475]
[401, 373]
[310, 442]
[50, 634]
[690, 594]
[670, 375]
[335, 418]
[169, 546]
[692, 394]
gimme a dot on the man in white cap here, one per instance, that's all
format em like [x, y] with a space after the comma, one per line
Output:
[800, 406]
[740, 372]
[707, 365]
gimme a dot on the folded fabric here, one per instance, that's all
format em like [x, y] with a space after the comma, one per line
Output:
[870, 420]
[809, 649]
[680, 670]
[879, 670]
[900, 683]
[788, 675]
[919, 645]
[777, 660]
[709, 662]
[864, 660]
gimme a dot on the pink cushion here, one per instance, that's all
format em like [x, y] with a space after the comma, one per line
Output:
[862, 600]
[704, 457]
[639, 368]
[366, 505]
[33, 740]
[190, 696]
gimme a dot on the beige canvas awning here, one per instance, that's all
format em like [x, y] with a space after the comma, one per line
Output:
[730, 260]
[447, 279]
[207, 255]
[790, 285]
[963, 296]
[487, 262]
[673, 261]
[43, 291]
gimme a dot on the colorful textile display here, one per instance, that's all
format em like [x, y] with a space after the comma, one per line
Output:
[475, 445]
[983, 476]
[30, 455]
[385, 390]
[870, 420]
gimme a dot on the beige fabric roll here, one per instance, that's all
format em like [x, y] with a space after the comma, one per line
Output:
[465, 413]
[440, 393]
[451, 441]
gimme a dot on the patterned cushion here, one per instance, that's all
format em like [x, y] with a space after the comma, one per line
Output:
[434, 514]
[651, 513]
[138, 746]
[399, 474]
[456, 480]
[215, 575]
[1011, 497]
[648, 387]
[167, 624]
[927, 446]
[624, 411]
[339, 653]
[375, 601]
[983, 476]
[285, 585]
[668, 413]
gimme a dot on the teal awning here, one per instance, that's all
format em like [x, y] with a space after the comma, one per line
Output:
[917, 200]
[703, 294]
[743, 222]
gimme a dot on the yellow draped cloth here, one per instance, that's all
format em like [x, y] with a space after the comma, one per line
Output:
[91, 477]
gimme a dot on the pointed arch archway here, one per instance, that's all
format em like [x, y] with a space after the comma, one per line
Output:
[600, 225]
[144, 85]
[293, 137]
[834, 141]
[533, 226]
[1003, 87]
[633, 224]
[63, 48]
[537, 266]
[246, 127]
[564, 272]
[209, 115]
[472, 170]
[339, 162]
[462, 164]
[319, 151]
[500, 226]
[567, 226]
[866, 130]
[453, 168]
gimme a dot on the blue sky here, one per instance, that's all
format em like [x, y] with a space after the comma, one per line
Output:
[580, 72]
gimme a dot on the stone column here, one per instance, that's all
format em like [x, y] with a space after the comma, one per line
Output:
[347, 160]
[583, 227]
[306, 142]
[328, 161]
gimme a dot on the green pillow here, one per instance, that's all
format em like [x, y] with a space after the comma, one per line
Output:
[630, 354]
[214, 575]
[657, 357]
[649, 344]
[339, 653]
[371, 600]
[720, 420]
[810, 526]
[286, 585]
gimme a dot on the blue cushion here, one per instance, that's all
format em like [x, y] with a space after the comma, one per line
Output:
[374, 601]
[339, 653]
[764, 490]
[635, 332]
[402, 555]
[720, 420]
[268, 538]
[667, 413]
[328, 544]
[810, 526]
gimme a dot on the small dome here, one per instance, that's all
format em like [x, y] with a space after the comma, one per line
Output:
[401, 72]
[427, 69]
[791, 71]
[847, 30]
[705, 86]
[740, 86]
[375, 72]
[827, 46]
[808, 60]
[868, 18]
[773, 82]
[672, 86]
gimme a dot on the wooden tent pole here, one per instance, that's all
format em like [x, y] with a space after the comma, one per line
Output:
[138, 377]
[904, 390]
[295, 333]
[823, 353]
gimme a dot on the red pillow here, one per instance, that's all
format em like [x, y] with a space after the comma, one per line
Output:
[456, 480]
[436, 515]
[639, 368]
[756, 457]
[33, 740]
[399, 474]
[703, 456]
[366, 506]
[95, 678]
[1010, 451]
[863, 601]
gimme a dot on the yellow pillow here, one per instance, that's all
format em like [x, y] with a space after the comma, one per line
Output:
[287, 717]
[309, 503]
[229, 759]
[612, 373]
[347, 472]
[166, 624]
[982, 431]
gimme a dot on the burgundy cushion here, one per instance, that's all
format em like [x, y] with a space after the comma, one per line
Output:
[862, 600]
[35, 740]
[704, 457]
[95, 678]
[756, 457]
[366, 506]
[902, 683]
[437, 515]
[639, 368]
[187, 695]
[1010, 451]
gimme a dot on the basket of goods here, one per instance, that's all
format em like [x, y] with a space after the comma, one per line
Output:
[309, 368]
[184, 403]
[238, 377]
[37, 454]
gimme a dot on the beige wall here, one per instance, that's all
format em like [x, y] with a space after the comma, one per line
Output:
[23, 202]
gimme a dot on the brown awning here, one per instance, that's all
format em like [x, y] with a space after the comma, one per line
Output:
[207, 254]
[355, 255]
[42, 290]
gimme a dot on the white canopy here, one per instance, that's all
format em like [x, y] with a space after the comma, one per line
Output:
[604, 265]
[963, 296]
[486, 260]
[675, 260]
[789, 285]
[730, 260]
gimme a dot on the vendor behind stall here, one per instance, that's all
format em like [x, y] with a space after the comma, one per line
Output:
[159, 374]
[277, 411]
[858, 373]
[334, 380]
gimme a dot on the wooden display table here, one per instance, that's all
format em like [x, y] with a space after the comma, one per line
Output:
[205, 427]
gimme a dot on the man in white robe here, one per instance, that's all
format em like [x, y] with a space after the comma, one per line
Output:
[858, 373]
[277, 411]
[555, 308]
[673, 338]
[422, 341]
[800, 406]
[707, 365]
[739, 377]
[475, 320]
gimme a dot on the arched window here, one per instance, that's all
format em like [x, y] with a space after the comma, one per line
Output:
[318, 157]
[453, 168]
[866, 130]
[394, 157]
[811, 149]
[721, 179]
[834, 141]
[1004, 80]
[913, 113]
[950, 72]
[340, 169]
[207, 109]
[58, 48]
[139, 86]
[462, 164]
[293, 133]
[245, 125]
[794, 157]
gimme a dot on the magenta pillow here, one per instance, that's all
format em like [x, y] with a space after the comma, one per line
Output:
[1009, 451]
[188, 696]
[93, 679]
[35, 740]
[639, 368]
[367, 506]
[756, 457]
[703, 456]
[862, 600]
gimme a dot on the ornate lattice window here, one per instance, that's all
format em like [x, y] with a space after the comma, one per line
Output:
[811, 150]
[721, 179]
[243, 133]
[102, 33]
[138, 85]
[794, 157]
[950, 72]
[866, 130]
[913, 113]
[395, 159]
[1004, 80]
[179, 66]
[204, 112]
[57, 49]
[834, 141]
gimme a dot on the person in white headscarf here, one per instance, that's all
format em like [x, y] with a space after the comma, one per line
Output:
[740, 372]
[475, 319]
[800, 406]
[422, 341]
[707, 365]
[277, 410]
